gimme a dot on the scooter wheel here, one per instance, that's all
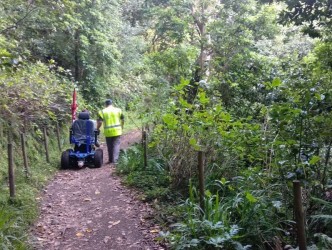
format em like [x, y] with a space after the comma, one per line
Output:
[65, 161]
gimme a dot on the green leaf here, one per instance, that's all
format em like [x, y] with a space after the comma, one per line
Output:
[314, 160]
[276, 82]
[182, 85]
[223, 181]
[202, 98]
[185, 127]
[208, 193]
[170, 121]
[250, 197]
[194, 144]
[226, 117]
[192, 141]
[184, 103]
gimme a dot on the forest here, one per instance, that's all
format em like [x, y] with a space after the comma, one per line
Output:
[246, 82]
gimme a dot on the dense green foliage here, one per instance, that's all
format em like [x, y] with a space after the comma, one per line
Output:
[315, 16]
[154, 181]
[255, 97]
[248, 82]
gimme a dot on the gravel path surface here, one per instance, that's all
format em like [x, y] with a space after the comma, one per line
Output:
[89, 209]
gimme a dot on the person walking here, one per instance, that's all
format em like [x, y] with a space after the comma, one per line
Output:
[113, 121]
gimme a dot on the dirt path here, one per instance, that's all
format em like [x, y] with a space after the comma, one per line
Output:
[90, 209]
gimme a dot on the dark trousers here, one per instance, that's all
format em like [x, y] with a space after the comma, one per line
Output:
[113, 148]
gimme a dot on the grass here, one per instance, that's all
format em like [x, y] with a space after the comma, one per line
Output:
[18, 214]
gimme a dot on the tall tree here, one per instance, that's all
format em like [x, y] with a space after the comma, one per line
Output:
[314, 15]
[79, 35]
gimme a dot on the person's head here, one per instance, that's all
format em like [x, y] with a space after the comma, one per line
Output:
[108, 102]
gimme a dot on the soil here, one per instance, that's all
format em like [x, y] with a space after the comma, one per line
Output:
[89, 208]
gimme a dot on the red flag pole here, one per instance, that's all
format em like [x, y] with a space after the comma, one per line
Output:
[74, 106]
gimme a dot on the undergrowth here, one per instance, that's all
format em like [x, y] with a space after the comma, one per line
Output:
[247, 211]
[18, 214]
[153, 180]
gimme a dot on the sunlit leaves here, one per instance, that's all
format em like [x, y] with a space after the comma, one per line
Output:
[276, 82]
[170, 120]
[182, 85]
[193, 142]
[315, 159]
[202, 98]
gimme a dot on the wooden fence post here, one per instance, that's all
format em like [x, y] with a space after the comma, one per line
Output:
[46, 145]
[11, 170]
[201, 179]
[142, 136]
[58, 135]
[145, 149]
[25, 157]
[299, 215]
[9, 132]
[1, 132]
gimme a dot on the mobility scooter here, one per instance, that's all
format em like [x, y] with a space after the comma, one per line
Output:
[83, 136]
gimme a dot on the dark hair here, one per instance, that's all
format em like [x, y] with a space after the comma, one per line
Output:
[108, 102]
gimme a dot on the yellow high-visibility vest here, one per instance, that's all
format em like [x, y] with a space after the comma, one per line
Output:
[112, 121]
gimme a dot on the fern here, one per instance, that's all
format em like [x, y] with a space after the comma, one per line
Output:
[326, 210]
[325, 242]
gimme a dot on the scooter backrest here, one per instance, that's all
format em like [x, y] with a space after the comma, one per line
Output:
[84, 115]
[83, 127]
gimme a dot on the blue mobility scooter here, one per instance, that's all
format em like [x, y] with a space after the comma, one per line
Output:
[83, 135]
